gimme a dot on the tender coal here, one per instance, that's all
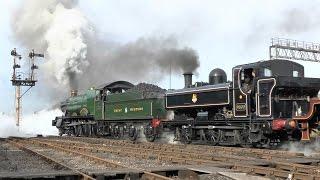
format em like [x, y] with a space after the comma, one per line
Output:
[148, 90]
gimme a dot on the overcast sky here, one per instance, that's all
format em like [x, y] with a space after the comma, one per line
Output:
[224, 33]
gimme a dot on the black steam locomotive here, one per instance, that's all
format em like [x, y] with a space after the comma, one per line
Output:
[267, 102]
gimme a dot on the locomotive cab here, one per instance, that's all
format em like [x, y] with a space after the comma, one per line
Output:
[274, 92]
[254, 85]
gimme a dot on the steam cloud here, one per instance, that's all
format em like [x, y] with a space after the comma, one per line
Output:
[310, 149]
[78, 58]
[146, 59]
[31, 125]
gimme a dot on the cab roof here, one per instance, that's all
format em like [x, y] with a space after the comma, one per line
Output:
[116, 86]
[277, 66]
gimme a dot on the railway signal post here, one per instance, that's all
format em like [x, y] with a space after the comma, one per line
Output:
[20, 78]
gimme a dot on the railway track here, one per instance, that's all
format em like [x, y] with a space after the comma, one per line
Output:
[24, 143]
[22, 146]
[200, 149]
[262, 153]
[259, 161]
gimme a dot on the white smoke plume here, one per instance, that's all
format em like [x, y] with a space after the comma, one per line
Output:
[308, 148]
[66, 50]
[168, 138]
[56, 28]
[30, 125]
[78, 58]
[8, 126]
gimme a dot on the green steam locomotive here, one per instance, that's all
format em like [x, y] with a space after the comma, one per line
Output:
[117, 109]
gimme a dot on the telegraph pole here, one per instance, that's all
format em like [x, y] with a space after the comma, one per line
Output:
[19, 80]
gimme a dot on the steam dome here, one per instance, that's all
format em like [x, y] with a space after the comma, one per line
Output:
[217, 76]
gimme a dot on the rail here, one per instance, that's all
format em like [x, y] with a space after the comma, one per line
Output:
[48, 159]
[278, 169]
[96, 159]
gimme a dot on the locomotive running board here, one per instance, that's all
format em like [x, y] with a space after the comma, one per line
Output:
[303, 120]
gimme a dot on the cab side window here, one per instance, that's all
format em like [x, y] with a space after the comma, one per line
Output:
[267, 72]
[247, 76]
[100, 95]
[295, 73]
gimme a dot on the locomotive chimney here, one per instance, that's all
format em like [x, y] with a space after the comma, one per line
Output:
[187, 80]
[74, 93]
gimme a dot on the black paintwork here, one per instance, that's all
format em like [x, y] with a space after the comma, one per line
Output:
[259, 93]
[198, 96]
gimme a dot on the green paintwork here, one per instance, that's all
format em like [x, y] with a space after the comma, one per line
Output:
[82, 104]
[126, 96]
[98, 109]
[118, 106]
[132, 105]
[134, 109]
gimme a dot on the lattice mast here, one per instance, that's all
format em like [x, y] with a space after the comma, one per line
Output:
[19, 79]
[289, 49]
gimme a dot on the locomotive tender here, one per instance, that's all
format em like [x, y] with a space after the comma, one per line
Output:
[266, 102]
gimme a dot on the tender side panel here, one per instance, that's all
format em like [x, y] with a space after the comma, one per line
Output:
[205, 97]
[141, 109]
